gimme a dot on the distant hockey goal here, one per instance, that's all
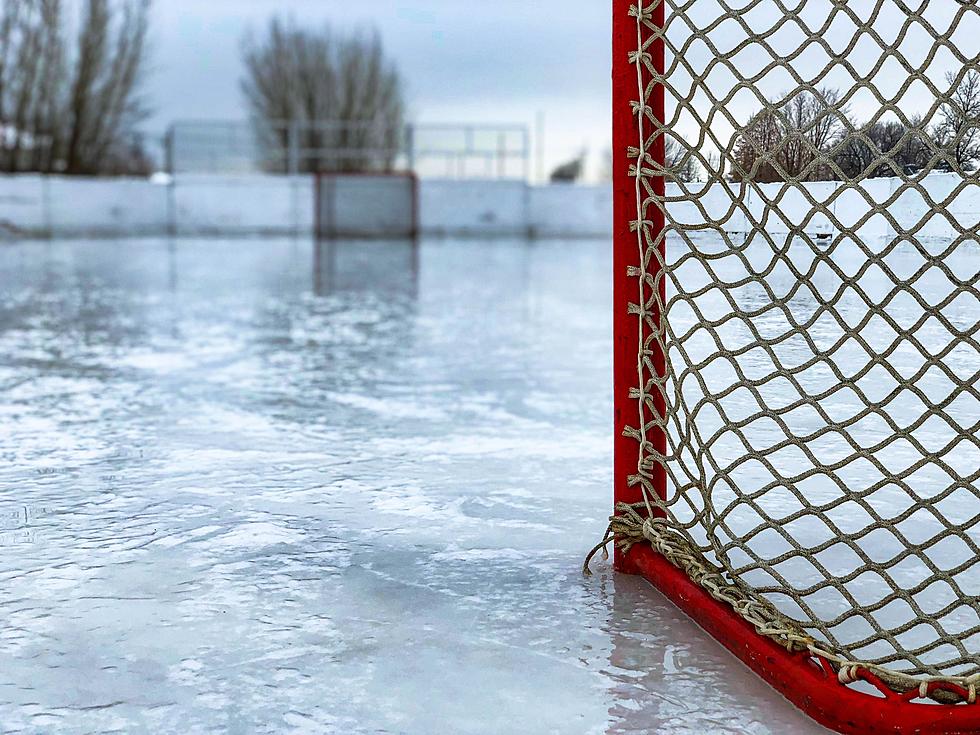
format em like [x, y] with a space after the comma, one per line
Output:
[797, 365]
[366, 205]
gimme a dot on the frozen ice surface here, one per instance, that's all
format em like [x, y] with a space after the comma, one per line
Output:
[262, 486]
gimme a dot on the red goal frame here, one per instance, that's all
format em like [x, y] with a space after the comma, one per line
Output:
[809, 684]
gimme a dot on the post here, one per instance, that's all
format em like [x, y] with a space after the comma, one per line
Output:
[501, 154]
[171, 169]
[539, 147]
[410, 147]
[627, 250]
[292, 165]
[526, 153]
[168, 151]
[467, 151]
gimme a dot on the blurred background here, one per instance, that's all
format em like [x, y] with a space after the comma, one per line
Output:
[212, 116]
[511, 89]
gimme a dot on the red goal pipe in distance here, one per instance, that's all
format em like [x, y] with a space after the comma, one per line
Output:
[811, 687]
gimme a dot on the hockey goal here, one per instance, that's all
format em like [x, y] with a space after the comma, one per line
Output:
[366, 205]
[797, 363]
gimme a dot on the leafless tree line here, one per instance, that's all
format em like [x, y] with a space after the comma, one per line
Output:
[69, 101]
[812, 138]
[680, 161]
[323, 101]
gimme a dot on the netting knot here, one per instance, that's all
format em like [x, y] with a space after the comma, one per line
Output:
[849, 674]
[626, 528]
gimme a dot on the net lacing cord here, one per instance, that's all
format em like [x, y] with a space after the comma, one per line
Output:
[929, 670]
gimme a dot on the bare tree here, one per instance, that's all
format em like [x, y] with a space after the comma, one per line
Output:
[26, 37]
[885, 148]
[81, 122]
[813, 125]
[333, 102]
[755, 156]
[957, 132]
[906, 145]
[791, 141]
[47, 126]
[104, 107]
[680, 161]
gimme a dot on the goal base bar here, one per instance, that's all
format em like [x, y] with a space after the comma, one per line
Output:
[795, 675]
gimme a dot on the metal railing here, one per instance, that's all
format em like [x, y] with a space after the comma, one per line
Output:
[446, 150]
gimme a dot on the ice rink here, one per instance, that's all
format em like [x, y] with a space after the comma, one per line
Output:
[267, 486]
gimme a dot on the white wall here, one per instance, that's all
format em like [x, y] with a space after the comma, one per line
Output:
[32, 205]
[473, 207]
[243, 205]
[571, 210]
[22, 206]
[105, 206]
[785, 210]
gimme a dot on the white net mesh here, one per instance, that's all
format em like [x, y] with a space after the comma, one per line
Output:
[820, 264]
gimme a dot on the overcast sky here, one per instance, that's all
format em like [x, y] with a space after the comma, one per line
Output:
[497, 61]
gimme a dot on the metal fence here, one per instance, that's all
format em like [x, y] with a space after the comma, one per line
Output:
[446, 150]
